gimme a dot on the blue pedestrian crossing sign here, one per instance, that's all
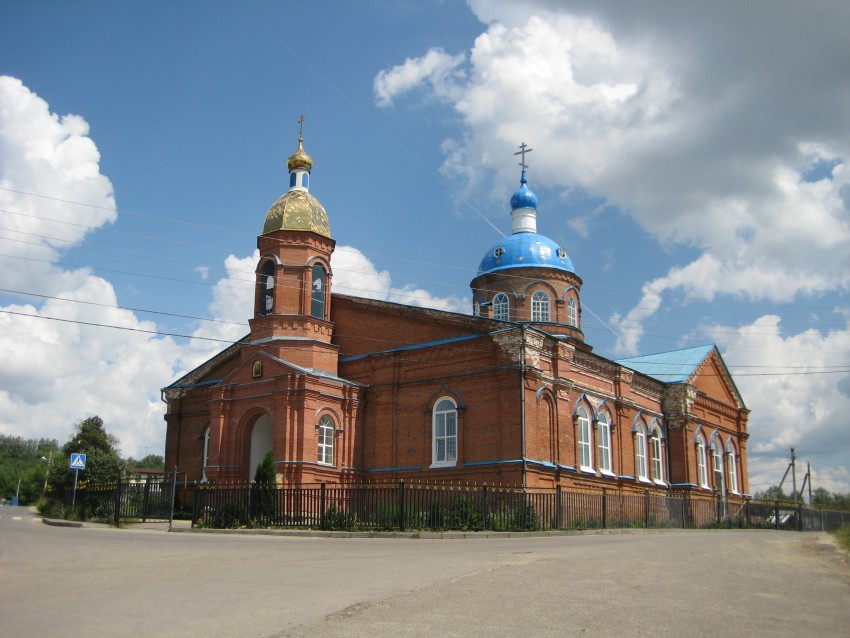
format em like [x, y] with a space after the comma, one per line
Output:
[78, 461]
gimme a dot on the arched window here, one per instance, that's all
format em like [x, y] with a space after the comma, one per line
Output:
[572, 312]
[317, 307]
[540, 306]
[717, 465]
[656, 459]
[501, 307]
[206, 456]
[732, 467]
[585, 448]
[640, 452]
[603, 442]
[267, 286]
[702, 465]
[444, 433]
[326, 440]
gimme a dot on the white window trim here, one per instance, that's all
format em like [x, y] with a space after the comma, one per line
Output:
[206, 457]
[641, 454]
[326, 423]
[655, 436]
[732, 470]
[603, 442]
[541, 307]
[434, 438]
[702, 464]
[717, 465]
[586, 445]
[572, 312]
[501, 302]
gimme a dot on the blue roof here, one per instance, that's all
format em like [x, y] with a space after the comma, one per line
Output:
[670, 367]
[522, 250]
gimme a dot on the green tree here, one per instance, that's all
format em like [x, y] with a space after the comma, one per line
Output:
[773, 493]
[24, 466]
[264, 492]
[150, 462]
[103, 462]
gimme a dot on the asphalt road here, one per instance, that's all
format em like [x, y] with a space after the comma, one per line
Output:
[57, 581]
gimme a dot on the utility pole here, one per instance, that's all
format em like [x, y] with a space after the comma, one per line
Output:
[809, 476]
[794, 474]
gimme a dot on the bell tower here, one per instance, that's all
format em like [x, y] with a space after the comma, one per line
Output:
[293, 277]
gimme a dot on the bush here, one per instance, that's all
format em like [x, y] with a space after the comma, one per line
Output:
[843, 536]
[337, 519]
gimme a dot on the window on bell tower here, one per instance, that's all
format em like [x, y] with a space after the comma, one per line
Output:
[267, 287]
[320, 279]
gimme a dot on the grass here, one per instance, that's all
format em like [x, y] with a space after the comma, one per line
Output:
[843, 536]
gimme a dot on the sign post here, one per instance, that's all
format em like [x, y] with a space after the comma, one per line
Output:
[78, 462]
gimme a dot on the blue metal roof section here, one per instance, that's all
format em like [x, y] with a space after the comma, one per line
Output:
[524, 250]
[670, 367]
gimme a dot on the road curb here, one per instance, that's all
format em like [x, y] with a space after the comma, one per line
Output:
[58, 522]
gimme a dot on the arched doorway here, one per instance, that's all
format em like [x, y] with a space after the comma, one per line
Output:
[261, 442]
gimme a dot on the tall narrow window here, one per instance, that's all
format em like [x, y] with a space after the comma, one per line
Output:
[540, 306]
[702, 469]
[585, 449]
[655, 455]
[572, 312]
[501, 308]
[640, 452]
[326, 440]
[317, 307]
[206, 456]
[717, 463]
[267, 283]
[603, 440]
[444, 427]
[731, 462]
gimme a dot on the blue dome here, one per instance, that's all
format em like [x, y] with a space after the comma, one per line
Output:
[525, 250]
[524, 198]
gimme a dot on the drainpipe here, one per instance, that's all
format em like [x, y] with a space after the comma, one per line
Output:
[522, 399]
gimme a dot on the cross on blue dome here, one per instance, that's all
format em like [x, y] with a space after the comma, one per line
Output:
[525, 247]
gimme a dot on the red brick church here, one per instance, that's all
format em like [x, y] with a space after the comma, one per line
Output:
[345, 390]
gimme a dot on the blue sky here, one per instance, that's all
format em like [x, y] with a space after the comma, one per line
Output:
[692, 160]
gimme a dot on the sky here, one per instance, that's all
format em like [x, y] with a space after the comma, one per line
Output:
[691, 158]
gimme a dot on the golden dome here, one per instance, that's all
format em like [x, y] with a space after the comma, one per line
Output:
[299, 159]
[297, 210]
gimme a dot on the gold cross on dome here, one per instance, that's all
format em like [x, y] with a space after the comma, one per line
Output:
[301, 128]
[523, 149]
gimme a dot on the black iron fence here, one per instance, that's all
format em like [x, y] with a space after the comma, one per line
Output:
[404, 506]
[123, 501]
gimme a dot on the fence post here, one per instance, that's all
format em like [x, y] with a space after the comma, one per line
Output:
[799, 517]
[322, 506]
[118, 501]
[173, 496]
[195, 505]
[146, 500]
[646, 509]
[776, 515]
[486, 506]
[747, 512]
[401, 505]
[604, 508]
[558, 507]
[684, 511]
[718, 507]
